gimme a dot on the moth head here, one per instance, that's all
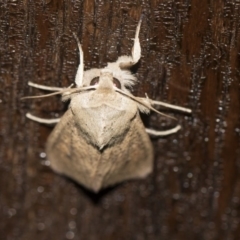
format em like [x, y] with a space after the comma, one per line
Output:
[115, 75]
[119, 69]
[121, 79]
[101, 78]
[106, 80]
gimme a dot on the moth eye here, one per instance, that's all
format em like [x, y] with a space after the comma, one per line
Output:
[116, 83]
[94, 81]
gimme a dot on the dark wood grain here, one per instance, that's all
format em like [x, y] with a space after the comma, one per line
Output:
[190, 57]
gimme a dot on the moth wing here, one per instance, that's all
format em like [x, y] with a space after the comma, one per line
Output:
[130, 159]
[71, 155]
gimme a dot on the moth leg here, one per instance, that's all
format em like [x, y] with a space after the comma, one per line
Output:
[42, 120]
[54, 89]
[183, 109]
[153, 102]
[163, 133]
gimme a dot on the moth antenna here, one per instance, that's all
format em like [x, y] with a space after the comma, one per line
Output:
[66, 91]
[136, 50]
[127, 61]
[139, 100]
[79, 75]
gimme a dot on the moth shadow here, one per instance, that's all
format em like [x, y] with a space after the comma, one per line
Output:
[94, 197]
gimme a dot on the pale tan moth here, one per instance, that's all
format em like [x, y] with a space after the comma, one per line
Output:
[100, 140]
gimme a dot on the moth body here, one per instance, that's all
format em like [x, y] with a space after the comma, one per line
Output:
[97, 140]
[100, 140]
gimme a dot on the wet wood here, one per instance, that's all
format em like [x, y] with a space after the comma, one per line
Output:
[190, 57]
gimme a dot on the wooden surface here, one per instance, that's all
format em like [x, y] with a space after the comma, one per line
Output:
[190, 57]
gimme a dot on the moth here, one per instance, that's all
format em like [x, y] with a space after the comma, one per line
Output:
[101, 140]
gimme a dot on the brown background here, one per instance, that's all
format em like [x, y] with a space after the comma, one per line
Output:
[190, 57]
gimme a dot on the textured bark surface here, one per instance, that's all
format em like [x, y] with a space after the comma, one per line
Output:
[190, 57]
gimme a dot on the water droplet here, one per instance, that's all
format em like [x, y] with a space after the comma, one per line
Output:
[73, 211]
[41, 226]
[190, 175]
[175, 141]
[42, 155]
[70, 235]
[72, 225]
[40, 189]
[46, 163]
[236, 200]
[176, 196]
[216, 194]
[175, 169]
[12, 212]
